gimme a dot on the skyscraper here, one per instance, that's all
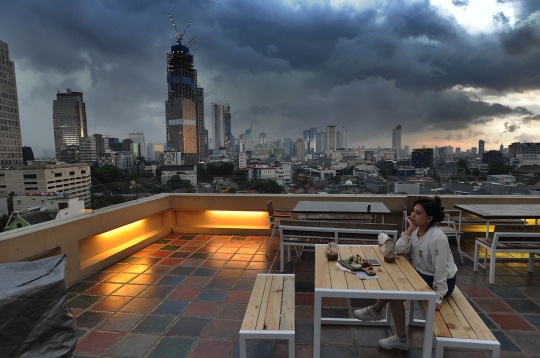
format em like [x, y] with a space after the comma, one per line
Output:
[343, 138]
[184, 121]
[10, 125]
[69, 122]
[262, 138]
[396, 138]
[312, 139]
[481, 144]
[331, 139]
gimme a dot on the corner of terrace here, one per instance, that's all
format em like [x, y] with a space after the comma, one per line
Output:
[171, 276]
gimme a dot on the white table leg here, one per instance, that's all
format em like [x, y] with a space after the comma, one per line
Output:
[428, 328]
[317, 312]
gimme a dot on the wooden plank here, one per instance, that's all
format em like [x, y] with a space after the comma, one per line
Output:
[337, 277]
[395, 274]
[468, 329]
[322, 273]
[439, 328]
[273, 311]
[353, 282]
[287, 306]
[254, 305]
[264, 304]
[472, 317]
[385, 281]
[410, 273]
[452, 321]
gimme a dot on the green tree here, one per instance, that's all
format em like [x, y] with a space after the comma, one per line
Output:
[462, 163]
[499, 168]
[107, 174]
[175, 183]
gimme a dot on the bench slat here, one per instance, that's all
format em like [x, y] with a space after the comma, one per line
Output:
[264, 304]
[452, 321]
[287, 306]
[466, 326]
[439, 328]
[272, 317]
[472, 317]
[254, 305]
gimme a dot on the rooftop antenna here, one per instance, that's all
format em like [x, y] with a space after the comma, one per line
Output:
[179, 36]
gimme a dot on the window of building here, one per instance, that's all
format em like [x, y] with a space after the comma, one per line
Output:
[30, 176]
[71, 173]
[57, 174]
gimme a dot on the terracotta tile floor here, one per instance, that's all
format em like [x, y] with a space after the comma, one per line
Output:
[186, 295]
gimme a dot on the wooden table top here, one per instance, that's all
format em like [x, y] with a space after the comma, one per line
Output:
[340, 207]
[398, 276]
[502, 211]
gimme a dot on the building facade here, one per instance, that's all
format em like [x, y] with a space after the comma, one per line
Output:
[422, 158]
[69, 122]
[74, 179]
[138, 143]
[10, 124]
[331, 139]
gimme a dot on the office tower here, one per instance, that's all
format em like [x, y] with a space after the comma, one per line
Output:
[262, 138]
[458, 151]
[474, 151]
[299, 148]
[406, 150]
[69, 121]
[184, 120]
[331, 140]
[501, 148]
[138, 138]
[10, 124]
[248, 140]
[305, 134]
[287, 146]
[492, 156]
[422, 158]
[154, 151]
[343, 138]
[312, 139]
[396, 138]
[102, 143]
[221, 126]
[321, 142]
[229, 140]
[87, 151]
[481, 144]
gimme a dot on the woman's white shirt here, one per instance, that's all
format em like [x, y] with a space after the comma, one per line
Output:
[431, 255]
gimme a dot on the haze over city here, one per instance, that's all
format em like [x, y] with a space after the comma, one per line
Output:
[450, 72]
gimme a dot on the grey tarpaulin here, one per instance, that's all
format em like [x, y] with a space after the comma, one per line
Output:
[34, 317]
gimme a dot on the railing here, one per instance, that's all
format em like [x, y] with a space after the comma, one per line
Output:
[103, 237]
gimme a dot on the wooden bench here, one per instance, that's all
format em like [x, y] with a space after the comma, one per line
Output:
[270, 311]
[508, 238]
[310, 233]
[458, 325]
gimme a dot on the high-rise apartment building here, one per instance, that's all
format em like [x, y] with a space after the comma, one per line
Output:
[321, 142]
[299, 148]
[396, 138]
[331, 139]
[481, 150]
[287, 145]
[343, 138]
[69, 122]
[10, 124]
[312, 139]
[184, 104]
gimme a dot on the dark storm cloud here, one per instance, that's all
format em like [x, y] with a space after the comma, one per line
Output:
[280, 66]
[531, 118]
[522, 39]
[510, 126]
[501, 18]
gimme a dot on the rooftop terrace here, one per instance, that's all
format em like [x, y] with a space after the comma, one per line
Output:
[171, 275]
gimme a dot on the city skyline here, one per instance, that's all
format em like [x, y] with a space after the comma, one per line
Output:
[449, 74]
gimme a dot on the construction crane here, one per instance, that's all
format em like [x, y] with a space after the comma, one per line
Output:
[179, 36]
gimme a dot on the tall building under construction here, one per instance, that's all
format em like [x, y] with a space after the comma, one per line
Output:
[184, 106]
[10, 124]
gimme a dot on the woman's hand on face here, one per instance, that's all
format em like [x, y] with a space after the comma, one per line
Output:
[411, 224]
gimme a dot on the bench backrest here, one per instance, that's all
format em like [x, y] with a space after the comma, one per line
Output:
[339, 230]
[525, 234]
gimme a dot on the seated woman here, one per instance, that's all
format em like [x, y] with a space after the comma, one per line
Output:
[432, 259]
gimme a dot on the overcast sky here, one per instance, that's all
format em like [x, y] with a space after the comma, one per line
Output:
[450, 72]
